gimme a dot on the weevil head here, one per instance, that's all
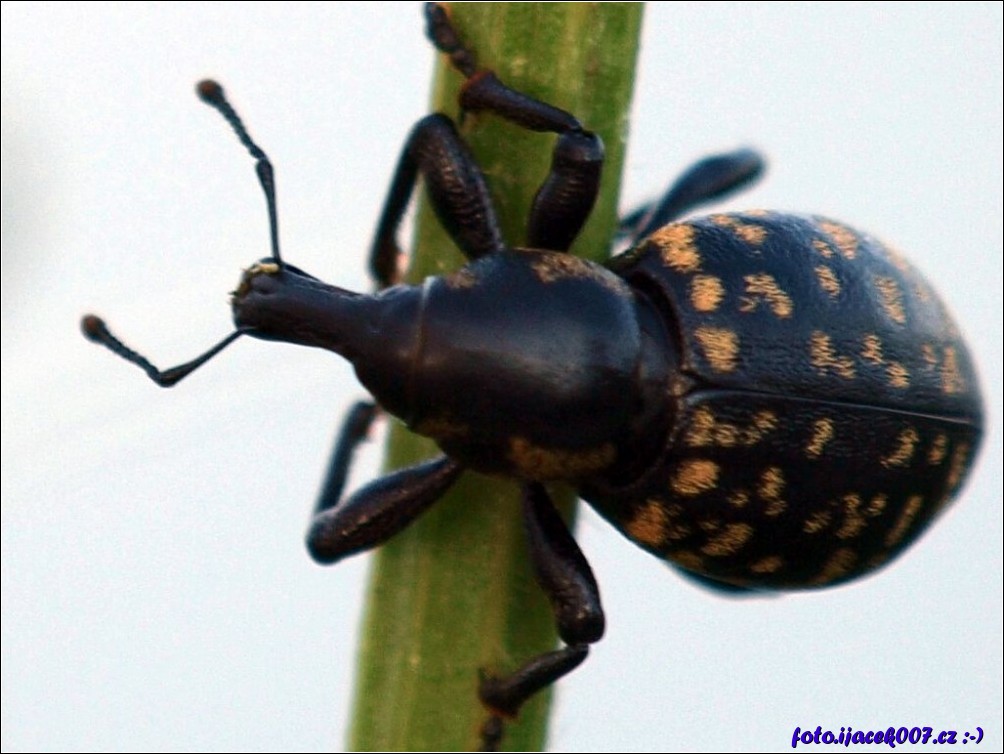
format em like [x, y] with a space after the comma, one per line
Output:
[276, 301]
[377, 333]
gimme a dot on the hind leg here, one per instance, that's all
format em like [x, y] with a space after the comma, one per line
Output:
[707, 180]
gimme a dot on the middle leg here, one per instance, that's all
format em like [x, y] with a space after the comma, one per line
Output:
[379, 510]
[563, 573]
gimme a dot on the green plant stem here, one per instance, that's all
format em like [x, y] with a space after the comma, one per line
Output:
[454, 593]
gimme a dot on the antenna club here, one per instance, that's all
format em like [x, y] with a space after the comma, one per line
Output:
[94, 328]
[209, 91]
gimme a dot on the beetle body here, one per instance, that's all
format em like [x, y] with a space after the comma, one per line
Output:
[768, 401]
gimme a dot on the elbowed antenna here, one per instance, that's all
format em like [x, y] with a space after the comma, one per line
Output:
[94, 328]
[212, 94]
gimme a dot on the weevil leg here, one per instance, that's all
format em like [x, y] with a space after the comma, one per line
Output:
[492, 733]
[566, 578]
[561, 569]
[355, 426]
[567, 195]
[456, 187]
[707, 180]
[565, 199]
[504, 696]
[378, 511]
[483, 90]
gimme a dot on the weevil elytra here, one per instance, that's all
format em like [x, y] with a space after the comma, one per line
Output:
[767, 401]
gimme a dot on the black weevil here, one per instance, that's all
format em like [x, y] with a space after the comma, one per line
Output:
[767, 401]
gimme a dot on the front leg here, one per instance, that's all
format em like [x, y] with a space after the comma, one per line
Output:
[457, 191]
[566, 197]
[379, 510]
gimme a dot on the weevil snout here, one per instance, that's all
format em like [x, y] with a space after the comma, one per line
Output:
[277, 301]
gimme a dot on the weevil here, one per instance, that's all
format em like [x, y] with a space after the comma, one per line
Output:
[767, 401]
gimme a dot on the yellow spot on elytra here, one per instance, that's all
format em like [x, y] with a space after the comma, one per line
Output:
[957, 466]
[720, 346]
[648, 526]
[695, 476]
[906, 517]
[706, 293]
[949, 374]
[729, 541]
[770, 564]
[822, 433]
[846, 241]
[689, 560]
[952, 381]
[920, 288]
[677, 532]
[739, 498]
[775, 508]
[876, 505]
[839, 565]
[823, 248]
[751, 234]
[769, 489]
[817, 522]
[854, 521]
[938, 451]
[676, 246]
[825, 359]
[891, 296]
[705, 430]
[763, 287]
[763, 422]
[871, 349]
[930, 355]
[906, 445]
[539, 462]
[899, 376]
[710, 525]
[828, 280]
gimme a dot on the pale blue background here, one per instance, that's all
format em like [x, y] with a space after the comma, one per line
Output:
[156, 594]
